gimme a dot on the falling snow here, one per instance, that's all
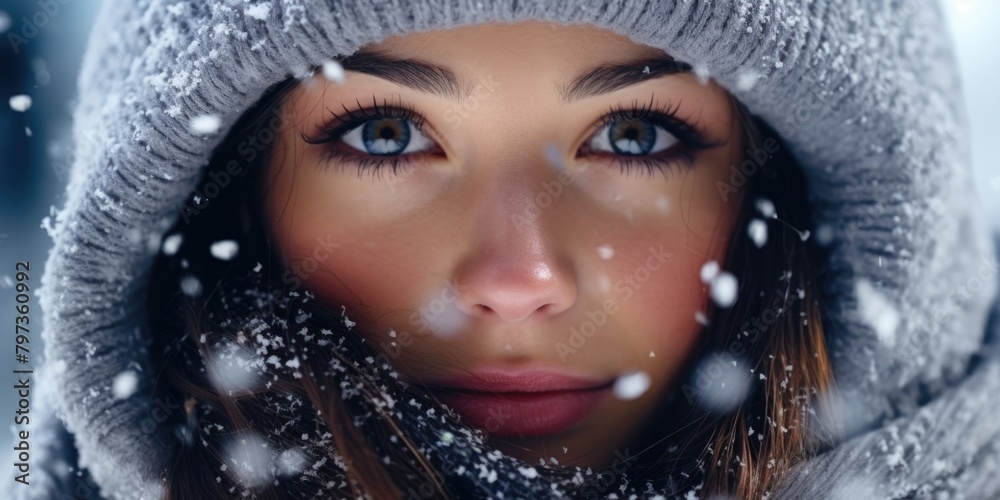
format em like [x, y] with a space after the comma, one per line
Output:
[724, 289]
[20, 102]
[701, 318]
[765, 207]
[701, 72]
[709, 271]
[631, 385]
[334, 72]
[225, 249]
[662, 204]
[205, 124]
[554, 156]
[746, 81]
[877, 310]
[191, 286]
[606, 252]
[125, 384]
[757, 230]
[720, 382]
[250, 458]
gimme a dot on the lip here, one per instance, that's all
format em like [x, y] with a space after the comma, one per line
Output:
[523, 402]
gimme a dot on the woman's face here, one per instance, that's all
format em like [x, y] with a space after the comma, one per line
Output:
[516, 215]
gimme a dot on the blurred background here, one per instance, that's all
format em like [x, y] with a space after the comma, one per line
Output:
[40, 55]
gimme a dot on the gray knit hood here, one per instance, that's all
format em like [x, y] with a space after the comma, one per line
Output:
[864, 93]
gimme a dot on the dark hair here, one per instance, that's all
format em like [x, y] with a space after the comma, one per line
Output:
[713, 449]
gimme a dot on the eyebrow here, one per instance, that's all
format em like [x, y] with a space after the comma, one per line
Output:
[430, 78]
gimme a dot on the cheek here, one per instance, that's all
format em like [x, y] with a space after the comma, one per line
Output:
[658, 291]
[379, 275]
[658, 294]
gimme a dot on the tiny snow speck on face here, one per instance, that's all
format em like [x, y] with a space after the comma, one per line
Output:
[605, 251]
[701, 318]
[554, 156]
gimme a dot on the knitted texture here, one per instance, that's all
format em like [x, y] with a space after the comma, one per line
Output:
[864, 93]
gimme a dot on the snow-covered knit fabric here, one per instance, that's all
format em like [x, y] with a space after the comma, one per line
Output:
[864, 93]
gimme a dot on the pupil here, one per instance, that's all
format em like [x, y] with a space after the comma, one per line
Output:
[386, 137]
[632, 137]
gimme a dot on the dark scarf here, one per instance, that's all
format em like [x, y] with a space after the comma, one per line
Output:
[267, 334]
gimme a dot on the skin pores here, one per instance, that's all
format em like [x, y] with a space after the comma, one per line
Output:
[502, 246]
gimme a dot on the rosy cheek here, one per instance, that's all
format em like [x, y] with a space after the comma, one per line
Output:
[662, 288]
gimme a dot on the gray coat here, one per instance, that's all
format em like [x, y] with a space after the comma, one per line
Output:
[864, 92]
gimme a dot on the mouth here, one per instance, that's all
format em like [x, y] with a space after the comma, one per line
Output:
[521, 403]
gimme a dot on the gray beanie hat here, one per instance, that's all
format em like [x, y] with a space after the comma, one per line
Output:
[864, 93]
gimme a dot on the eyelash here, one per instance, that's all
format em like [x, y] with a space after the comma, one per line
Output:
[690, 137]
[339, 125]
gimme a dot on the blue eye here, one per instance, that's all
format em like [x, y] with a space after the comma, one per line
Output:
[646, 138]
[387, 137]
[382, 135]
[632, 137]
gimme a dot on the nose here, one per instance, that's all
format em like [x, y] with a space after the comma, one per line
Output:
[513, 269]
